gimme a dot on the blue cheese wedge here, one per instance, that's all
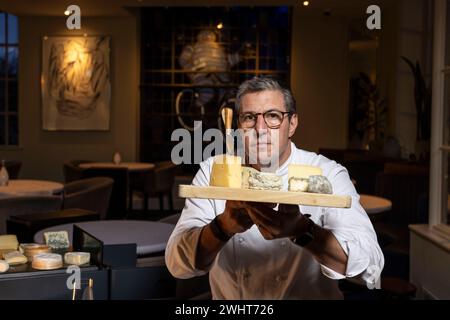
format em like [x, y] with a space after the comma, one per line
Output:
[57, 239]
[254, 179]
[319, 184]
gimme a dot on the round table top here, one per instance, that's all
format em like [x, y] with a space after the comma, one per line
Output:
[374, 205]
[149, 236]
[30, 188]
[131, 166]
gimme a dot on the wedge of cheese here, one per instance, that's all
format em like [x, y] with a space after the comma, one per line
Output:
[15, 258]
[226, 172]
[77, 258]
[303, 171]
[254, 179]
[8, 242]
[57, 239]
[299, 176]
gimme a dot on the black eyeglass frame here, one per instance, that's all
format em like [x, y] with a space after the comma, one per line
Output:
[257, 114]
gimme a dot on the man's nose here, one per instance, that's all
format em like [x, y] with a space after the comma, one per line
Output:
[260, 126]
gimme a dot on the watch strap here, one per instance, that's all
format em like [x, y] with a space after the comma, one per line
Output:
[218, 231]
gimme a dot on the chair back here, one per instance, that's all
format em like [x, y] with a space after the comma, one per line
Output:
[13, 168]
[404, 190]
[117, 208]
[91, 194]
[26, 205]
[72, 171]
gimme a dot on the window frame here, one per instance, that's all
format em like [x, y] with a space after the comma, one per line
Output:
[7, 79]
[438, 149]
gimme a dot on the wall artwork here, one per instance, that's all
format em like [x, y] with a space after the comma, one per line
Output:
[75, 82]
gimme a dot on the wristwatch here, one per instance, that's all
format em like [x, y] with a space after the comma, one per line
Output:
[218, 231]
[306, 238]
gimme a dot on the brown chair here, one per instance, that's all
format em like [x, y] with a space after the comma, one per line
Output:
[117, 208]
[154, 183]
[91, 194]
[72, 171]
[13, 168]
[404, 190]
[26, 205]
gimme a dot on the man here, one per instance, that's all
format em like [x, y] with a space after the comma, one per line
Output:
[260, 251]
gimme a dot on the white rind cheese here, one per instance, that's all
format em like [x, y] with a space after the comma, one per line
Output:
[47, 261]
[77, 258]
[4, 266]
[15, 258]
[298, 184]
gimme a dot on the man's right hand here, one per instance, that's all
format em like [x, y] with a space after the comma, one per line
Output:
[235, 218]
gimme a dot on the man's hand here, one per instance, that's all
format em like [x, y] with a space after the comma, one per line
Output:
[287, 222]
[235, 218]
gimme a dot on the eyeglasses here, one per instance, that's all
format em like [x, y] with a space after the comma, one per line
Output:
[272, 118]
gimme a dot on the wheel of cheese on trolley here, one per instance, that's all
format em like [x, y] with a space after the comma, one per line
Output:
[47, 261]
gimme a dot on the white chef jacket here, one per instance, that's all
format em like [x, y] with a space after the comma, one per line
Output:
[250, 267]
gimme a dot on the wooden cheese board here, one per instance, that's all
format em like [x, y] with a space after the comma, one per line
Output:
[270, 196]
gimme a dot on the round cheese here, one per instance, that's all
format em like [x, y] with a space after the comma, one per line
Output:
[4, 266]
[32, 249]
[47, 261]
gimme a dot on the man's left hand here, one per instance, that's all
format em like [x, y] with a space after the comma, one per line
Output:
[287, 222]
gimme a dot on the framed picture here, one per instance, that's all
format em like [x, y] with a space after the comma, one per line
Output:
[75, 80]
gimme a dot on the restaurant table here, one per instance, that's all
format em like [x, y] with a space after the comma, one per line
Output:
[374, 206]
[131, 166]
[150, 237]
[17, 188]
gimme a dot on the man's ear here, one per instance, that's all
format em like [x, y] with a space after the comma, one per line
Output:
[293, 123]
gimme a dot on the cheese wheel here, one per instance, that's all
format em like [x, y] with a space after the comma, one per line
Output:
[24, 246]
[15, 258]
[47, 261]
[4, 266]
[32, 249]
[77, 258]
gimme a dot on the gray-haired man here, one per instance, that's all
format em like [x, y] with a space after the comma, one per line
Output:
[247, 247]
